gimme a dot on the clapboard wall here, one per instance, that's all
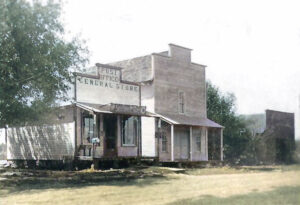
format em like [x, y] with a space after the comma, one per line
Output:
[45, 142]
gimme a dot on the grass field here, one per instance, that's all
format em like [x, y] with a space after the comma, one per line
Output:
[154, 185]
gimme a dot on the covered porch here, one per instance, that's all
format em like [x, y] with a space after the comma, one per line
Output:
[108, 131]
[188, 139]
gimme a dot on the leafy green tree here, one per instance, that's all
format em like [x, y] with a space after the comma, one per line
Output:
[221, 109]
[35, 59]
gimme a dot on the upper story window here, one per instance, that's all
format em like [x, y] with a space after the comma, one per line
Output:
[181, 102]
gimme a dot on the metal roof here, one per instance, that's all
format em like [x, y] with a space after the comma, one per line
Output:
[187, 120]
[92, 108]
[97, 108]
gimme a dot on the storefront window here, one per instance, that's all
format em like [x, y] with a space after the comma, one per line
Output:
[89, 127]
[130, 130]
[198, 132]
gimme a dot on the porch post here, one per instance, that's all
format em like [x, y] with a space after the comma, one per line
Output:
[119, 137]
[191, 143]
[206, 142]
[221, 144]
[101, 134]
[172, 142]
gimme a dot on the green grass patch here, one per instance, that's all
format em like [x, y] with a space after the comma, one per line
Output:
[281, 195]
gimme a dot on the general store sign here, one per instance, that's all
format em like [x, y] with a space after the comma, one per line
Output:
[106, 87]
[128, 109]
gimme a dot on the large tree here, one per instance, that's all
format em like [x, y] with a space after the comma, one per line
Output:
[221, 109]
[35, 59]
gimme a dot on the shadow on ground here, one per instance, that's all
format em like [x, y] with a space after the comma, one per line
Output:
[14, 180]
[281, 195]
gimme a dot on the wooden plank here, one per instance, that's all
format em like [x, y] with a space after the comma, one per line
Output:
[172, 143]
[191, 143]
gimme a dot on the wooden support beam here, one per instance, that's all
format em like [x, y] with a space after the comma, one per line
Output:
[191, 143]
[206, 142]
[119, 134]
[221, 144]
[172, 142]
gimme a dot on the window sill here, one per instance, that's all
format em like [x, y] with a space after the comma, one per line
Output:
[128, 145]
[87, 144]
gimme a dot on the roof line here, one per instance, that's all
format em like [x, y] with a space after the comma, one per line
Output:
[172, 44]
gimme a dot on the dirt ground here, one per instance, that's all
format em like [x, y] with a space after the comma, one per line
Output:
[153, 185]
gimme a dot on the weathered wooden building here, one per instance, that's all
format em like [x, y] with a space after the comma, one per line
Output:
[150, 106]
[278, 139]
[174, 89]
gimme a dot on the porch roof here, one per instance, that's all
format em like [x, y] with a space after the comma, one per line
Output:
[187, 120]
[91, 108]
[98, 108]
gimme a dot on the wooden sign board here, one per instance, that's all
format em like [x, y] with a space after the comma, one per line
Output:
[106, 87]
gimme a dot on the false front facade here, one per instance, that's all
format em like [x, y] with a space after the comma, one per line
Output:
[152, 106]
[174, 90]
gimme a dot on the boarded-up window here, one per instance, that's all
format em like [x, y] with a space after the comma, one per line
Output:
[130, 130]
[181, 101]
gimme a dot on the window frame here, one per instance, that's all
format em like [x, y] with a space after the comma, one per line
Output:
[135, 138]
[92, 119]
[181, 102]
[198, 140]
[164, 142]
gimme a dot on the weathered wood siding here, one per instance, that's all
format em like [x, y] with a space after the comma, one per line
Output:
[137, 69]
[148, 133]
[125, 151]
[176, 73]
[90, 90]
[147, 97]
[166, 74]
[181, 143]
[48, 142]
[199, 155]
[165, 155]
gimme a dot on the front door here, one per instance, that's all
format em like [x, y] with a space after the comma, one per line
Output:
[111, 133]
[181, 143]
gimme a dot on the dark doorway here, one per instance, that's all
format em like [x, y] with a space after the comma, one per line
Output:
[181, 143]
[214, 144]
[111, 133]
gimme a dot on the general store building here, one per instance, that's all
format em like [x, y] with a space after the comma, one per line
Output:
[152, 106]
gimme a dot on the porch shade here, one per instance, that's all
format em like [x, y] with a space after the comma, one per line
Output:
[187, 120]
[91, 108]
[110, 108]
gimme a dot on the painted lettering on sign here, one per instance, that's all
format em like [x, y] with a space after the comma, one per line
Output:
[108, 74]
[128, 109]
[107, 84]
[106, 87]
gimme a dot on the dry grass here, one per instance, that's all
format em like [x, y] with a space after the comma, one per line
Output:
[243, 185]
